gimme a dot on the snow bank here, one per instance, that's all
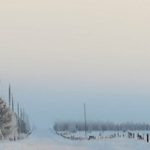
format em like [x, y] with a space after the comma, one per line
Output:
[49, 141]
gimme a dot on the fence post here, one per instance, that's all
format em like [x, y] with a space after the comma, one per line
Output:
[147, 138]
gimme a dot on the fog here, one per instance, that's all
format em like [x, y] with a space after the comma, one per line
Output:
[58, 55]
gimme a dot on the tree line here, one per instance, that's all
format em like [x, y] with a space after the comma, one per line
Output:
[99, 126]
[13, 118]
[22, 117]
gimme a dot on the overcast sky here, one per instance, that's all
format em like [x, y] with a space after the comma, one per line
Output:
[59, 54]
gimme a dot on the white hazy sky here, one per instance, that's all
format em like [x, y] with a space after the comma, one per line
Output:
[60, 54]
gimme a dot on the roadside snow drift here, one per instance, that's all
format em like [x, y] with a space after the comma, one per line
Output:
[46, 140]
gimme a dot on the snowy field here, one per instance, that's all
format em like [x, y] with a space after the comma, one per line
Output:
[46, 140]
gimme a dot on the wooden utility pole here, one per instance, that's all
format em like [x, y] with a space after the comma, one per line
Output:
[85, 125]
[9, 95]
[18, 110]
[12, 104]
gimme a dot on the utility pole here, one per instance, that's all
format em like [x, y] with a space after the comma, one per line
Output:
[1, 93]
[85, 125]
[18, 111]
[12, 103]
[9, 94]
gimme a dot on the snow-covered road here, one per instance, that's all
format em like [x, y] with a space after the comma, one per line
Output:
[45, 140]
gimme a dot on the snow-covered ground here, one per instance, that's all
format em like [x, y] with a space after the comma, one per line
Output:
[47, 140]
